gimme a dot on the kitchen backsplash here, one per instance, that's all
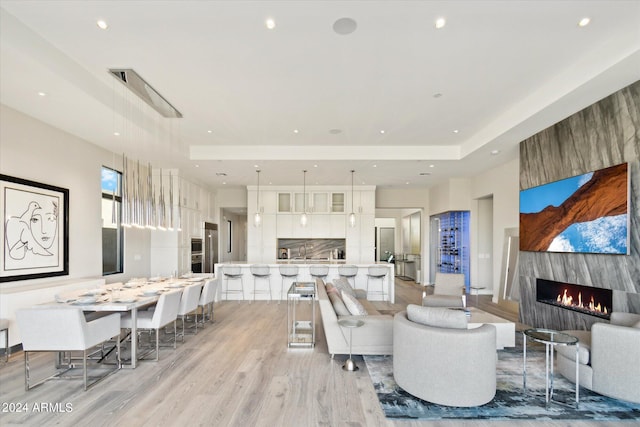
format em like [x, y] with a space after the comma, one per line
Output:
[318, 249]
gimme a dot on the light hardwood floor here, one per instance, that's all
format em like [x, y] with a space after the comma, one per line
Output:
[236, 372]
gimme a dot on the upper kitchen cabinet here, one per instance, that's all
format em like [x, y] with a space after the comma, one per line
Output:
[337, 202]
[320, 202]
[284, 203]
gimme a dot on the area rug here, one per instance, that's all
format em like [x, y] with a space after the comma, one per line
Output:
[510, 401]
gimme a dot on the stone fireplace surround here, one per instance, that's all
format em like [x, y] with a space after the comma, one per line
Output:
[601, 135]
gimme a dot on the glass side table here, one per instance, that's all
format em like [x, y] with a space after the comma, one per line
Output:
[349, 364]
[301, 333]
[550, 339]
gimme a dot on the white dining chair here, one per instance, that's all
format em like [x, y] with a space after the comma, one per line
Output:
[65, 330]
[207, 299]
[189, 304]
[166, 312]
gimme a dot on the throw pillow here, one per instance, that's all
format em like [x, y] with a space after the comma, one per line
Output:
[344, 285]
[338, 304]
[332, 289]
[353, 305]
[636, 325]
[436, 316]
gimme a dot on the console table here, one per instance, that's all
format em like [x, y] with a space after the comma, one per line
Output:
[301, 333]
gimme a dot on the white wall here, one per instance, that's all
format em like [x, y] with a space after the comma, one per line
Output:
[33, 150]
[502, 183]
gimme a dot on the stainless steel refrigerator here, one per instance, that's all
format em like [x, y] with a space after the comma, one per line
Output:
[210, 244]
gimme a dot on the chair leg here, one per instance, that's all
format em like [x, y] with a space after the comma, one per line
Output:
[175, 334]
[84, 368]
[157, 344]
[26, 371]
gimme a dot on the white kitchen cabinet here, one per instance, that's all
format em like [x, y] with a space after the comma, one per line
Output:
[320, 202]
[321, 226]
[284, 203]
[337, 202]
[284, 225]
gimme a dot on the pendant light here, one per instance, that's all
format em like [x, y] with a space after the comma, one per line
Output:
[352, 215]
[257, 218]
[303, 217]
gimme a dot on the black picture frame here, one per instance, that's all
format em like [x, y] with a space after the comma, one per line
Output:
[34, 231]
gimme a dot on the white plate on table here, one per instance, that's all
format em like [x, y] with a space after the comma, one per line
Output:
[176, 285]
[150, 293]
[85, 300]
[125, 300]
[94, 292]
[195, 279]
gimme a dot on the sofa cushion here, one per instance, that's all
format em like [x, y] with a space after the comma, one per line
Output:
[584, 350]
[437, 316]
[338, 304]
[344, 285]
[332, 289]
[353, 305]
[636, 325]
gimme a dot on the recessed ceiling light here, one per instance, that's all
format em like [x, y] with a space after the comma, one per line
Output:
[584, 22]
[224, 182]
[432, 166]
[102, 24]
[255, 166]
[296, 131]
[209, 131]
[382, 131]
[116, 133]
[42, 93]
[375, 166]
[440, 23]
[494, 152]
[315, 166]
[197, 166]
[456, 131]
[270, 23]
[344, 26]
[407, 183]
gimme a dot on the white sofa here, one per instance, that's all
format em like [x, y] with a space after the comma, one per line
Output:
[609, 357]
[374, 337]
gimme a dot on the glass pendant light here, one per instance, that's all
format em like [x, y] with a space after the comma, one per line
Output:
[257, 218]
[352, 215]
[303, 217]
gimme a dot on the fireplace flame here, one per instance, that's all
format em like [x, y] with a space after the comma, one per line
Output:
[565, 299]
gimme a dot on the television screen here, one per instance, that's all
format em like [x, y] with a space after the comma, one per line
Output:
[583, 214]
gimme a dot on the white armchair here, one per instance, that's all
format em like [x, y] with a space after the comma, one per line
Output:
[166, 311]
[448, 291]
[609, 357]
[64, 330]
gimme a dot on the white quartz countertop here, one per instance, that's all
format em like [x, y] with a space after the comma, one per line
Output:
[301, 262]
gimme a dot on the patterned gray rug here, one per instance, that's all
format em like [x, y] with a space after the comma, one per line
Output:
[510, 402]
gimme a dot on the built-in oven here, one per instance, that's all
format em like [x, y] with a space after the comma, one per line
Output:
[196, 255]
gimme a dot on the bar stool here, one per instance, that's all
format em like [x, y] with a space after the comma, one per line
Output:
[233, 272]
[4, 327]
[261, 271]
[287, 272]
[376, 272]
[319, 271]
[348, 272]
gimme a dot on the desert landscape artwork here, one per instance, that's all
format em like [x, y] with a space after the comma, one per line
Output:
[586, 213]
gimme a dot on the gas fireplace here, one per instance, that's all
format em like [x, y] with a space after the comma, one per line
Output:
[584, 299]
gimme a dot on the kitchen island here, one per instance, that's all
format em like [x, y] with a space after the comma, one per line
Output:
[275, 279]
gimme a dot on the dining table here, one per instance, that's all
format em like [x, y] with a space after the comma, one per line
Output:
[118, 297]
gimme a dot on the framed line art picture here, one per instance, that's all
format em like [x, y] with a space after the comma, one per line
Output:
[35, 230]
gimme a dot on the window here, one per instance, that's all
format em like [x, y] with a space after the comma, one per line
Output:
[112, 236]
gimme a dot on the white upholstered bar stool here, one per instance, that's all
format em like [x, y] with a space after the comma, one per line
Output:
[287, 272]
[232, 272]
[263, 272]
[348, 272]
[376, 272]
[319, 271]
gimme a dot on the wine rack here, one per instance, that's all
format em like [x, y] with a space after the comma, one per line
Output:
[453, 244]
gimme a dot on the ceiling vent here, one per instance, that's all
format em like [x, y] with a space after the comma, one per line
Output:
[140, 87]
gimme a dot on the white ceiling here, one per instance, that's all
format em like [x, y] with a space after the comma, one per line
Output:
[497, 73]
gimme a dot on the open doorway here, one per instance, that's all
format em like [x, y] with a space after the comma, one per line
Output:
[233, 235]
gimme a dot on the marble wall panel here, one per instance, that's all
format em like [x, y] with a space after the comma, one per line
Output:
[604, 134]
